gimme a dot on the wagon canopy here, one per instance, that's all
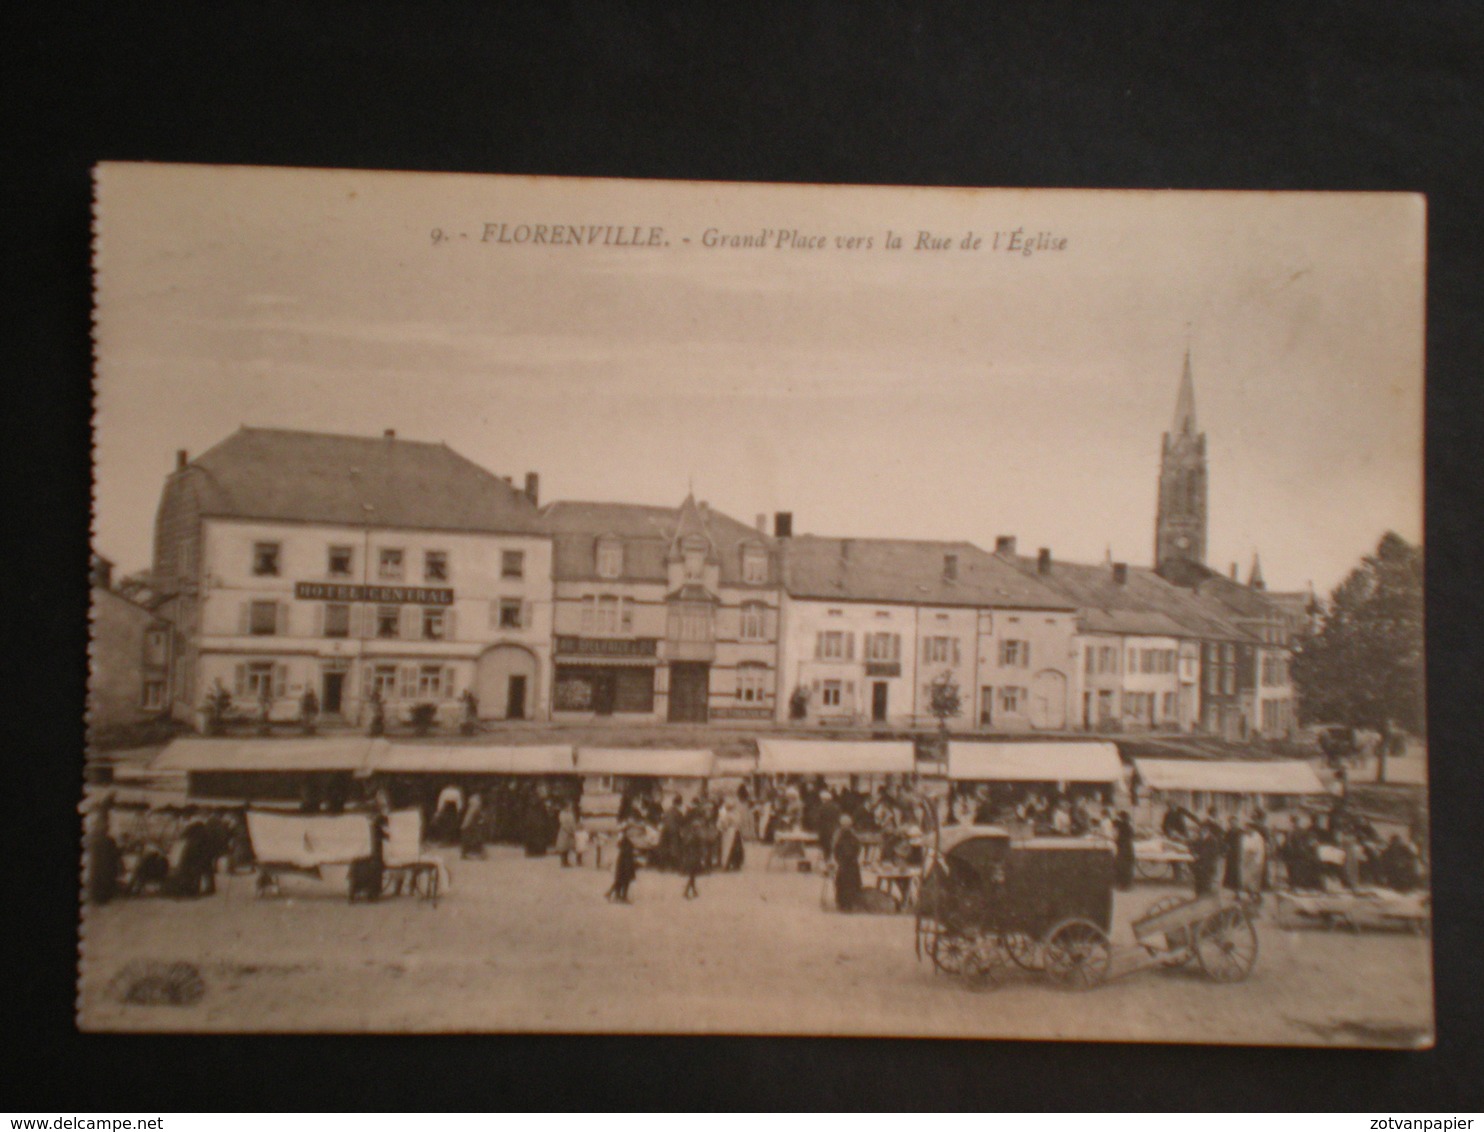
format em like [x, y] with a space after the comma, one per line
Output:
[821, 756]
[645, 762]
[1034, 762]
[1230, 776]
[233, 756]
[417, 758]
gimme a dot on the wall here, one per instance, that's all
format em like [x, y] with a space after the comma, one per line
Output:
[1051, 676]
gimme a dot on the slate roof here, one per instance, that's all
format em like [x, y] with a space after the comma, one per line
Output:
[909, 571]
[315, 477]
[647, 533]
[1144, 605]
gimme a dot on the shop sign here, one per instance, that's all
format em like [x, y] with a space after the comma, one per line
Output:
[601, 646]
[883, 668]
[384, 595]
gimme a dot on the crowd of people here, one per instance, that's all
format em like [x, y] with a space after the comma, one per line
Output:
[172, 850]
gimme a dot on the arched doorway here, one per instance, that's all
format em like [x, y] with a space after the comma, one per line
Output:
[506, 683]
[1048, 700]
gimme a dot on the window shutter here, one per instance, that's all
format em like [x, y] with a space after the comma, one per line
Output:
[281, 612]
[448, 683]
[955, 651]
[280, 680]
[450, 620]
[818, 648]
[244, 619]
[849, 646]
[525, 614]
[319, 620]
[409, 622]
[406, 685]
[241, 682]
[927, 650]
[1027, 654]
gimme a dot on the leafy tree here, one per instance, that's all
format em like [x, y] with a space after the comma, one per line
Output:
[945, 702]
[1363, 665]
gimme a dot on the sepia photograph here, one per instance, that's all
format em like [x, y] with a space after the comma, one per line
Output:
[543, 605]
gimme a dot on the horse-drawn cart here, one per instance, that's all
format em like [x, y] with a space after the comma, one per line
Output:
[989, 904]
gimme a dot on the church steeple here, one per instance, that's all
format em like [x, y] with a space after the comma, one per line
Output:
[1180, 526]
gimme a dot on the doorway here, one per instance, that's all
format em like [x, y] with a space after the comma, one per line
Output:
[878, 701]
[605, 692]
[690, 689]
[334, 693]
[515, 699]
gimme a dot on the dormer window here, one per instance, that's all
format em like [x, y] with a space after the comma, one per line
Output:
[610, 558]
[754, 565]
[695, 562]
[950, 567]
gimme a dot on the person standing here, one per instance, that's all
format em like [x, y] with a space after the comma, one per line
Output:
[693, 852]
[566, 838]
[826, 821]
[471, 829]
[847, 858]
[1231, 847]
[625, 869]
[729, 826]
[1123, 858]
[1208, 855]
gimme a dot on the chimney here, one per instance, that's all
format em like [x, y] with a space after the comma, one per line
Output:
[1004, 544]
[1043, 560]
[783, 524]
[390, 434]
[182, 458]
[1120, 573]
[508, 480]
[762, 524]
[533, 487]
[1234, 572]
[950, 567]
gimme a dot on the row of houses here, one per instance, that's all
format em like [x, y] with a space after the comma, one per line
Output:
[355, 568]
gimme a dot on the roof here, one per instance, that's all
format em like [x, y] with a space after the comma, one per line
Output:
[647, 533]
[910, 571]
[1235, 776]
[315, 477]
[645, 762]
[267, 755]
[1145, 604]
[824, 756]
[1034, 762]
[408, 758]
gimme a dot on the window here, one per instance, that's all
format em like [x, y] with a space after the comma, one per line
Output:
[754, 621]
[834, 644]
[940, 650]
[388, 621]
[1012, 699]
[263, 618]
[430, 681]
[510, 610]
[950, 567]
[342, 562]
[610, 558]
[153, 698]
[1015, 654]
[512, 563]
[1170, 710]
[690, 624]
[157, 648]
[185, 562]
[265, 559]
[883, 646]
[1091, 657]
[337, 620]
[830, 694]
[752, 683]
[384, 682]
[435, 623]
[389, 564]
[257, 683]
[435, 566]
[695, 563]
[754, 565]
[606, 621]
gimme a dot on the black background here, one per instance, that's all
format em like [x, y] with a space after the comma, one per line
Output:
[1339, 95]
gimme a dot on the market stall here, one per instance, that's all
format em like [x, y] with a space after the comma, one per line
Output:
[317, 772]
[1228, 786]
[837, 761]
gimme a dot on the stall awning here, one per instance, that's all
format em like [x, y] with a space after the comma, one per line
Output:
[733, 766]
[230, 756]
[823, 756]
[418, 758]
[1034, 762]
[1230, 776]
[651, 762]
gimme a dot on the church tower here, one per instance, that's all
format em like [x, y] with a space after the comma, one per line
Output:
[1180, 527]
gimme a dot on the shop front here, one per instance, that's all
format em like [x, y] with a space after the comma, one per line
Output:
[600, 677]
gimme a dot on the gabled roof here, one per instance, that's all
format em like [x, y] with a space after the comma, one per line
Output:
[1143, 605]
[691, 525]
[647, 533]
[910, 572]
[314, 477]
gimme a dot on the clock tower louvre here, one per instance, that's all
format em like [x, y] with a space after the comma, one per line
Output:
[1180, 525]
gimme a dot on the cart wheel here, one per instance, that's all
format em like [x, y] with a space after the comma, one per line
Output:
[1226, 945]
[987, 963]
[1077, 955]
[1023, 950]
[951, 952]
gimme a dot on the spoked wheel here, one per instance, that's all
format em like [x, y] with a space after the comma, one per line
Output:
[952, 952]
[987, 963]
[1024, 950]
[1226, 945]
[1077, 955]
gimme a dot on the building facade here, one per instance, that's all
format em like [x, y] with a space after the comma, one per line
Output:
[663, 614]
[128, 661]
[355, 569]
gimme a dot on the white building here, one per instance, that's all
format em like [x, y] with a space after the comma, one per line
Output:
[870, 625]
[352, 566]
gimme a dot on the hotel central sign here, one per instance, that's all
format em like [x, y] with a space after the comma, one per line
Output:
[386, 595]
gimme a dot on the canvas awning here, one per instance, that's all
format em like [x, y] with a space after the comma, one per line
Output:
[733, 766]
[645, 762]
[1230, 776]
[233, 756]
[420, 758]
[824, 756]
[1034, 762]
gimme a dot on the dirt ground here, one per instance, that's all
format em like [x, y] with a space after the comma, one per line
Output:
[524, 945]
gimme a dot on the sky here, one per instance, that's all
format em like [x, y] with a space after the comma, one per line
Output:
[961, 392]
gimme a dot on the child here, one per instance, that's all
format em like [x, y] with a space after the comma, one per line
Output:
[625, 870]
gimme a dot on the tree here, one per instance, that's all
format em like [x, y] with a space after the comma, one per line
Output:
[1363, 666]
[944, 700]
